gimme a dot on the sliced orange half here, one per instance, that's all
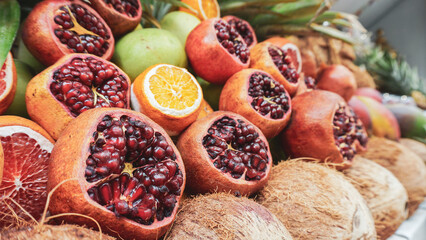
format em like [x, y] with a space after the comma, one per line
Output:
[205, 8]
[169, 95]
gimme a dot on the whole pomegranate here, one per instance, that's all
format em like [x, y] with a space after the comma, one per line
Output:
[55, 28]
[255, 95]
[338, 79]
[74, 84]
[123, 170]
[324, 127]
[224, 152]
[122, 16]
[275, 61]
[216, 50]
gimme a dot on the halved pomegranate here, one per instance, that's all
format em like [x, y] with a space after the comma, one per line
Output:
[225, 152]
[122, 16]
[243, 28]
[8, 80]
[128, 174]
[74, 84]
[56, 28]
[216, 50]
[277, 62]
[290, 48]
[308, 84]
[324, 127]
[255, 95]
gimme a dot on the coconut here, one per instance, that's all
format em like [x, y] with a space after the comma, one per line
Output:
[417, 147]
[404, 164]
[383, 192]
[224, 216]
[316, 202]
[49, 232]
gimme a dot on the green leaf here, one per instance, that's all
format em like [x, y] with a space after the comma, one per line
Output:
[332, 32]
[9, 24]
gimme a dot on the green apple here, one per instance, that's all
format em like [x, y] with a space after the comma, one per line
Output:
[140, 49]
[180, 24]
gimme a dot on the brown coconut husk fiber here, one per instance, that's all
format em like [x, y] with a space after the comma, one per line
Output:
[383, 192]
[417, 147]
[50, 232]
[224, 216]
[404, 164]
[316, 202]
[22, 229]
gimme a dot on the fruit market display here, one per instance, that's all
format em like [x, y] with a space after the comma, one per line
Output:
[203, 119]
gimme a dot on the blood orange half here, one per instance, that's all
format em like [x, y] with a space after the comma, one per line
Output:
[8, 80]
[26, 148]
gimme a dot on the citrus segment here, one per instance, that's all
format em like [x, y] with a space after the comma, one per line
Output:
[175, 94]
[205, 8]
[169, 95]
[26, 156]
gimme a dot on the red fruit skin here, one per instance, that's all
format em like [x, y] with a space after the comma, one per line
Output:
[369, 92]
[234, 98]
[227, 18]
[202, 175]
[119, 23]
[208, 58]
[310, 130]
[39, 37]
[338, 79]
[383, 122]
[309, 64]
[66, 169]
[361, 111]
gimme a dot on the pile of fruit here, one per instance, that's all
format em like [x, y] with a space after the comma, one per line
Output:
[195, 128]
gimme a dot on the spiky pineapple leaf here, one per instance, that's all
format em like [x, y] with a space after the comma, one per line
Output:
[392, 74]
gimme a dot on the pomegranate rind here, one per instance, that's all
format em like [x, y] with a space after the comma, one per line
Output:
[316, 202]
[173, 121]
[11, 78]
[68, 161]
[260, 59]
[39, 37]
[310, 131]
[206, 109]
[234, 98]
[404, 164]
[338, 79]
[202, 175]
[204, 49]
[119, 23]
[228, 18]
[233, 218]
[44, 108]
[383, 192]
